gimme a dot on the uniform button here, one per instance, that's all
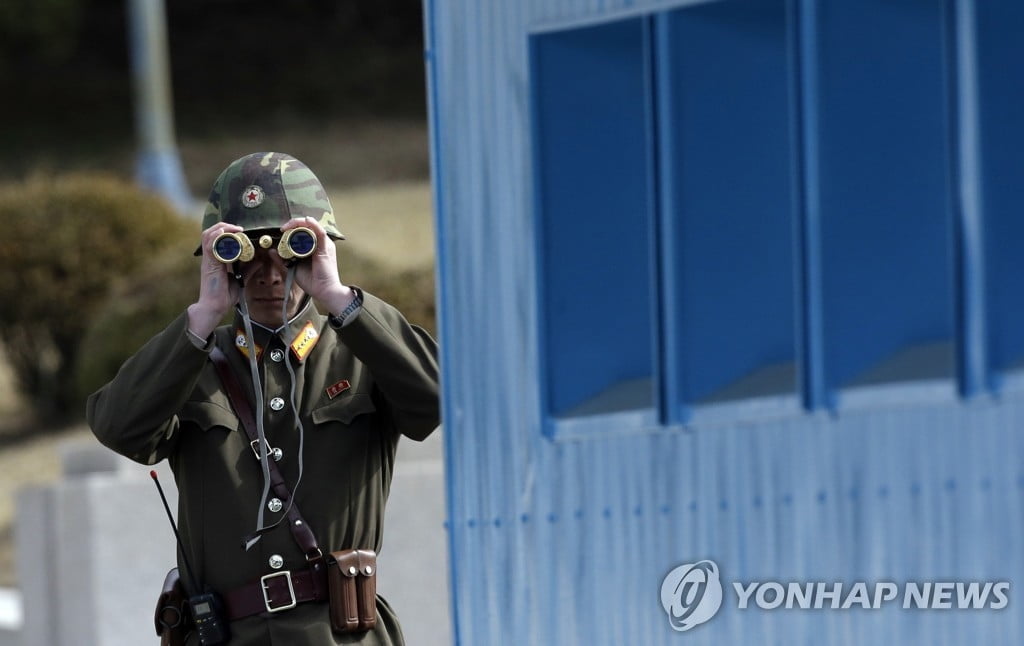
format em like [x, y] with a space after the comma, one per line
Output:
[275, 505]
[277, 356]
[277, 403]
[276, 561]
[277, 454]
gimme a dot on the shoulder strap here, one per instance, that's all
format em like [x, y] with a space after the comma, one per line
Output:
[300, 528]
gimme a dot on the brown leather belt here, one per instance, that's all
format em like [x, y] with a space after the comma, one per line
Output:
[277, 591]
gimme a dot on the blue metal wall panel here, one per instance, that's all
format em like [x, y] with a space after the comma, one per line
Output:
[1001, 122]
[728, 209]
[884, 164]
[594, 209]
[868, 498]
[567, 542]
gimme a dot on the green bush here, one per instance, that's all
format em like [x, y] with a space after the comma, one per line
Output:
[148, 300]
[411, 290]
[64, 240]
[138, 306]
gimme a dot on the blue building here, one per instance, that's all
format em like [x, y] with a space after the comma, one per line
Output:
[733, 281]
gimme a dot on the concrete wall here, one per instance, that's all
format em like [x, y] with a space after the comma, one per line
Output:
[92, 551]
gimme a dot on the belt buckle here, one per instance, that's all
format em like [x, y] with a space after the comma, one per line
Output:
[291, 591]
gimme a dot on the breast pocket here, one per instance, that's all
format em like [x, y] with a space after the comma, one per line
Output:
[344, 411]
[208, 415]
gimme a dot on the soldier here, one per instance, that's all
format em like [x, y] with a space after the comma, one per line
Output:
[331, 396]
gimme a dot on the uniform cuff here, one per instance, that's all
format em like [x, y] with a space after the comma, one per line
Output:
[199, 342]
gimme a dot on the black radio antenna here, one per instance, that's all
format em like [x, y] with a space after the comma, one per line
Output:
[181, 548]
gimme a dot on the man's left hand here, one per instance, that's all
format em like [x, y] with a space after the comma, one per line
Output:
[318, 275]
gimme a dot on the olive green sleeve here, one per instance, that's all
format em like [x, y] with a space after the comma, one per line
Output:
[135, 414]
[403, 360]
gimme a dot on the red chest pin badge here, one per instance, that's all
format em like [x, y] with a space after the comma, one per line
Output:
[336, 389]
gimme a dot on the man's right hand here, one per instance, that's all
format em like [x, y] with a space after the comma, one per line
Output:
[218, 290]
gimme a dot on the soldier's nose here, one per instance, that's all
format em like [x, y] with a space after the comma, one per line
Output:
[269, 275]
[267, 271]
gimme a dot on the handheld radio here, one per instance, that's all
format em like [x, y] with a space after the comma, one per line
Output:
[207, 610]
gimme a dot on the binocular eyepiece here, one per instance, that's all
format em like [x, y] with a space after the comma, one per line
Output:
[296, 244]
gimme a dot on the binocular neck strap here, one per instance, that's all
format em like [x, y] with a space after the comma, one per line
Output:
[289, 281]
[257, 387]
[265, 463]
[301, 531]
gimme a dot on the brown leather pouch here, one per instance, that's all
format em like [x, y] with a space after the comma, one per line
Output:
[352, 587]
[366, 589]
[171, 618]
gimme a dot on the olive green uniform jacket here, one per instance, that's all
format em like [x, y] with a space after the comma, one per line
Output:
[358, 390]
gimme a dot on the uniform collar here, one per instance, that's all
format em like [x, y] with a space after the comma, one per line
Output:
[301, 332]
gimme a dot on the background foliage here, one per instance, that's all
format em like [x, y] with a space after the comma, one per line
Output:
[237, 66]
[64, 238]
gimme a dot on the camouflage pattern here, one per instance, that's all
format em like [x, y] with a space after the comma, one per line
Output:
[289, 187]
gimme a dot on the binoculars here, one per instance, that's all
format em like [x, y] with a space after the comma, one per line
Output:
[294, 244]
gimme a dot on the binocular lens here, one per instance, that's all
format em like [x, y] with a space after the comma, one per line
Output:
[302, 243]
[232, 247]
[227, 248]
[297, 243]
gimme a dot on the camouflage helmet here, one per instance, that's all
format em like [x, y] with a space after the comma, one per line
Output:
[265, 190]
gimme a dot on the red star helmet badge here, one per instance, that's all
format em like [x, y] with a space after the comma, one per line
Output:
[252, 197]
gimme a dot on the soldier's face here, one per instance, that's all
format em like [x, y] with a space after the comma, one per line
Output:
[265, 278]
